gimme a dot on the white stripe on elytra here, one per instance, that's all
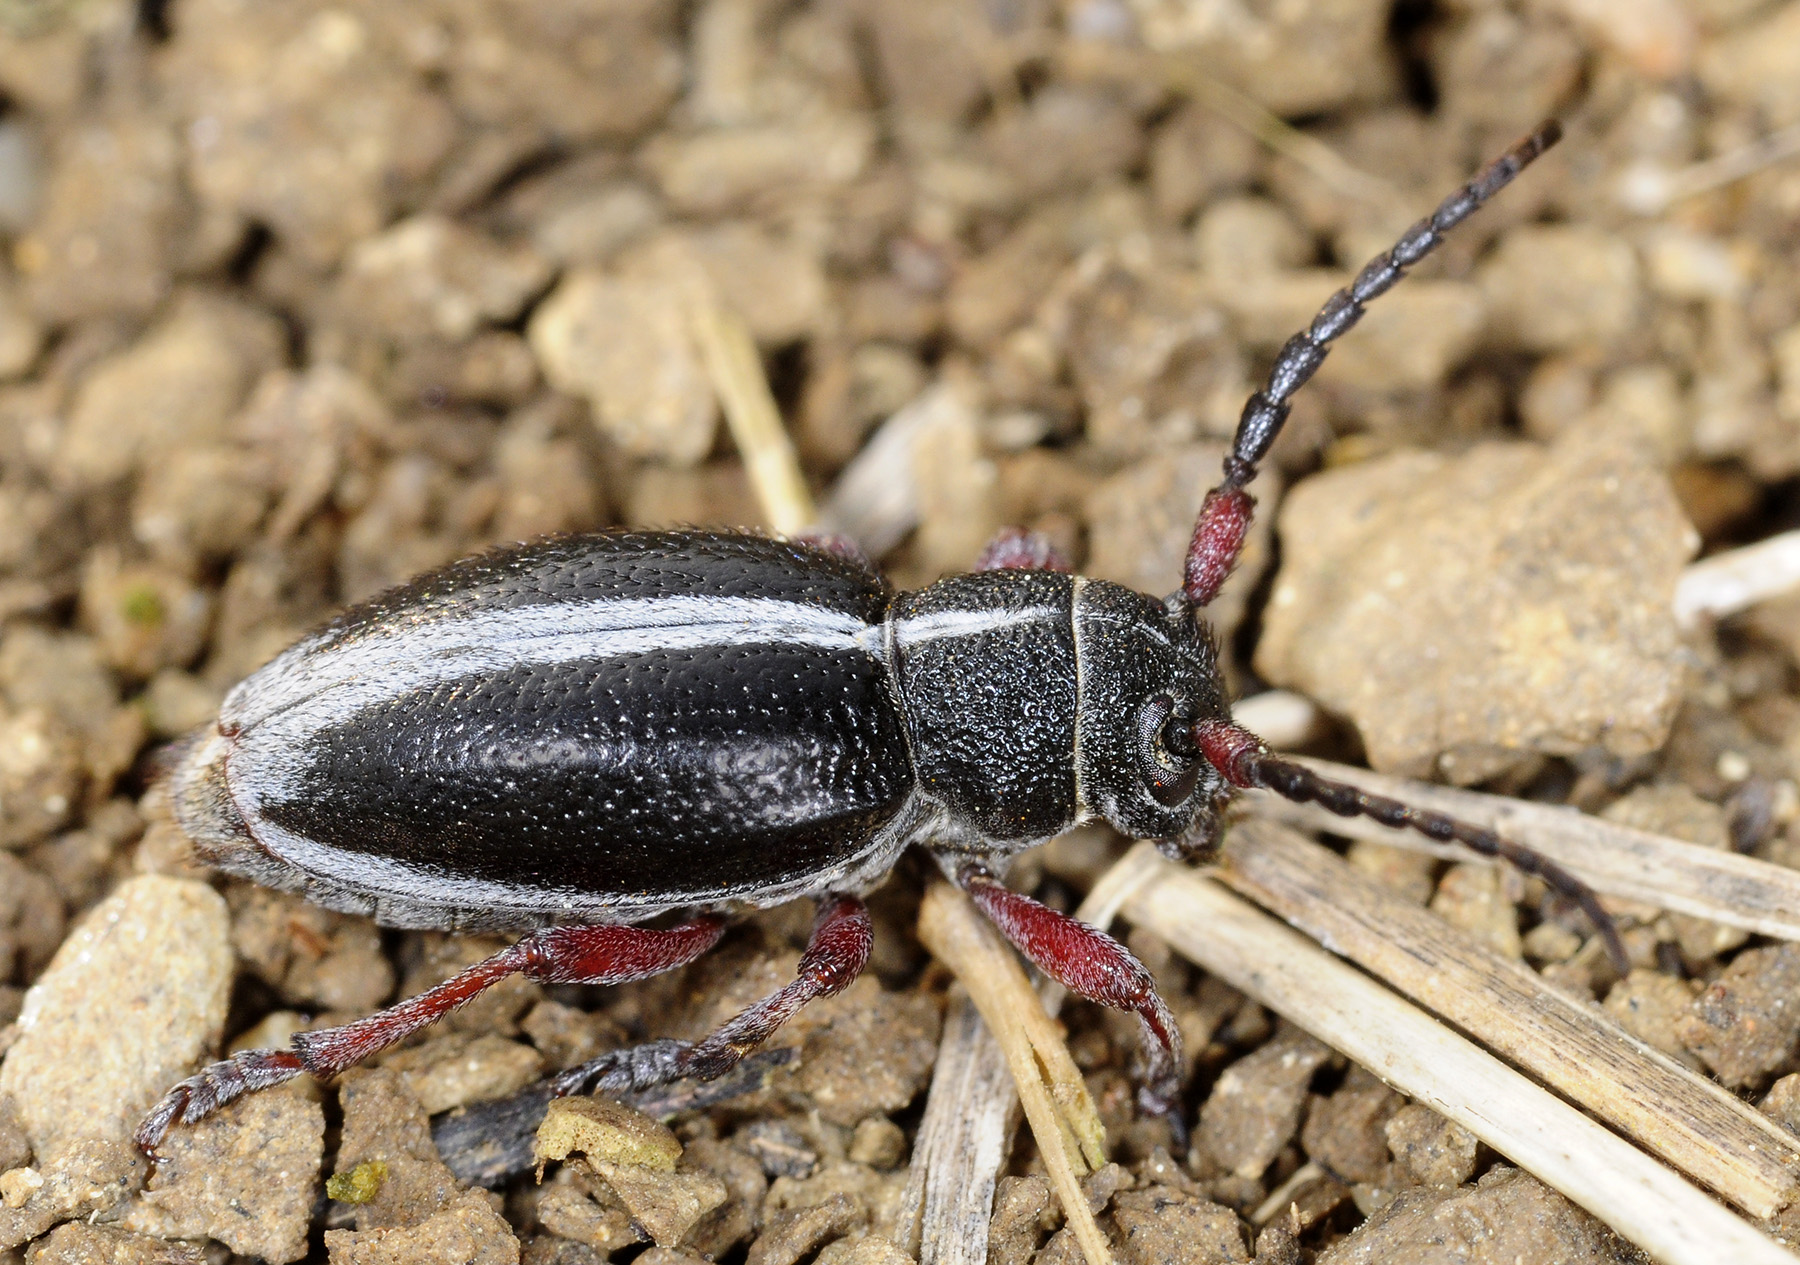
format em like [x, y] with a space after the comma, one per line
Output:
[282, 707]
[404, 656]
[427, 886]
[1081, 803]
[918, 628]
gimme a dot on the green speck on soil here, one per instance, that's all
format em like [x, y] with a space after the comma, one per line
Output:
[359, 1185]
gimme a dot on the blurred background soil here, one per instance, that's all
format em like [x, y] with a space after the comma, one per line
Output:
[299, 299]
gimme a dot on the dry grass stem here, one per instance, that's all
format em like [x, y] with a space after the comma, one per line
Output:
[1737, 891]
[1283, 719]
[971, 1110]
[1646, 1202]
[1282, 1196]
[769, 461]
[964, 1139]
[1070, 1136]
[1738, 579]
[1689, 1121]
[1651, 191]
[1185, 77]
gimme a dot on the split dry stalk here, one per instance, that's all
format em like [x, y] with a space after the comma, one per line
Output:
[1687, 1120]
[1738, 579]
[737, 376]
[1724, 887]
[964, 1141]
[1069, 1134]
[1642, 1200]
[971, 1111]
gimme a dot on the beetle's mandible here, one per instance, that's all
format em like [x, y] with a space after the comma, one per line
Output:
[575, 736]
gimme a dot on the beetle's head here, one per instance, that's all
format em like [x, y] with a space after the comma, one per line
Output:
[1149, 674]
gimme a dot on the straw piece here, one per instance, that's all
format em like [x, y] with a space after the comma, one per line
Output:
[1069, 1134]
[1645, 1202]
[1183, 76]
[737, 377]
[1689, 1121]
[1283, 719]
[1737, 891]
[964, 1140]
[971, 1110]
[1649, 189]
[1738, 579]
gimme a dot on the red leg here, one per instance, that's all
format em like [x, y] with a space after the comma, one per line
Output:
[1090, 964]
[1241, 756]
[555, 955]
[1015, 549]
[835, 956]
[835, 543]
[1225, 515]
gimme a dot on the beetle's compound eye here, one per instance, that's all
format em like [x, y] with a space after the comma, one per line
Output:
[1167, 757]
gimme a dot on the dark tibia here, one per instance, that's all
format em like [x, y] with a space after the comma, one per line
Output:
[1242, 758]
[556, 955]
[1091, 964]
[1014, 548]
[834, 957]
[1225, 514]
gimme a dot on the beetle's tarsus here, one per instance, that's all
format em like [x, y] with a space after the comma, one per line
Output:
[624, 1071]
[213, 1086]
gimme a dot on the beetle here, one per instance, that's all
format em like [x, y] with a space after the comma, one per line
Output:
[573, 737]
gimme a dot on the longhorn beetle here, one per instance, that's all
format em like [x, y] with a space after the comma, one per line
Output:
[575, 736]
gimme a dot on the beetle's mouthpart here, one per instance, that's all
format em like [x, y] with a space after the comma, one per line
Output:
[1243, 759]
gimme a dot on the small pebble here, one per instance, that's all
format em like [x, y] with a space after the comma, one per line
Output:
[1467, 611]
[878, 1142]
[384, 1124]
[87, 1179]
[467, 1232]
[1254, 1108]
[247, 1177]
[1431, 1150]
[1746, 1024]
[1163, 1223]
[456, 1069]
[606, 1133]
[778, 1147]
[132, 1002]
[1560, 287]
[1507, 1217]
[78, 1243]
[792, 1233]
[625, 347]
[1651, 1006]
[665, 1204]
[1346, 1132]
[868, 1051]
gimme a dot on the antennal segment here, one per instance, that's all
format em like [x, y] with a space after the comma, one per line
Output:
[1225, 515]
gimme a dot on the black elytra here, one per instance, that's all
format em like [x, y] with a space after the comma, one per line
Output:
[576, 736]
[607, 727]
